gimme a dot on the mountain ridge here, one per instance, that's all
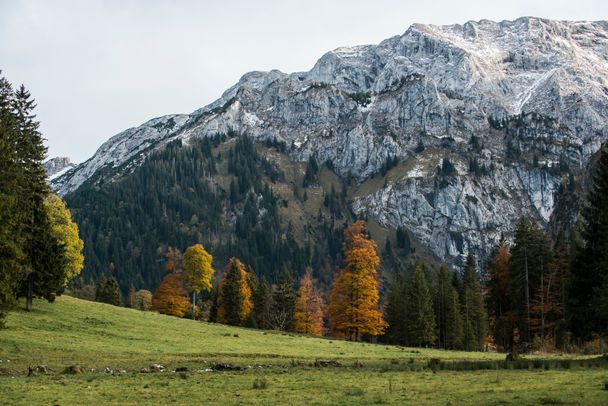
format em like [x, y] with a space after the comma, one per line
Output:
[513, 106]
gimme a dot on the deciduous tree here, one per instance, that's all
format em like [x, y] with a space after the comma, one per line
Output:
[171, 297]
[197, 271]
[66, 233]
[309, 308]
[353, 304]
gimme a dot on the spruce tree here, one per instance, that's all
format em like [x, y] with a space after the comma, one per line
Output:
[472, 308]
[283, 305]
[234, 296]
[499, 301]
[46, 264]
[447, 309]
[12, 237]
[261, 304]
[312, 169]
[588, 288]
[530, 259]
[112, 293]
[420, 317]
[396, 331]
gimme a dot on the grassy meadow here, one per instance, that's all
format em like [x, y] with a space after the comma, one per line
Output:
[273, 367]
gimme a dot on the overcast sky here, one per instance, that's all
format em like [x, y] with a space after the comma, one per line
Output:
[99, 67]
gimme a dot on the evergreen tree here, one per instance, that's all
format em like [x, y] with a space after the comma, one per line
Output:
[475, 319]
[234, 296]
[420, 318]
[12, 237]
[447, 309]
[112, 293]
[396, 331]
[499, 300]
[108, 291]
[530, 259]
[100, 288]
[261, 304]
[311, 177]
[34, 260]
[588, 288]
[283, 305]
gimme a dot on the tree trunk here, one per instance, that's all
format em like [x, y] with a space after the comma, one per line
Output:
[30, 291]
[542, 306]
[527, 291]
[193, 305]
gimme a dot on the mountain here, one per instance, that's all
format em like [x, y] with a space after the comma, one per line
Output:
[449, 132]
[56, 167]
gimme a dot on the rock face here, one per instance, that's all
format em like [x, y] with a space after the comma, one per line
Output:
[512, 106]
[56, 167]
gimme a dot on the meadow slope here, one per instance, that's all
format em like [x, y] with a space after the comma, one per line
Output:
[275, 368]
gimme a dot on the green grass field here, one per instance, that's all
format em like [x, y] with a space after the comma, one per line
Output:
[276, 368]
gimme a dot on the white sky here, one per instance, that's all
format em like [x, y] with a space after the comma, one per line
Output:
[98, 67]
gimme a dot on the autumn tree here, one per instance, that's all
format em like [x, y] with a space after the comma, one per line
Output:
[197, 271]
[309, 308]
[171, 297]
[66, 233]
[174, 260]
[353, 304]
[234, 296]
[140, 300]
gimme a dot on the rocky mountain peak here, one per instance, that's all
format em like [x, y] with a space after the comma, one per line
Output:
[512, 106]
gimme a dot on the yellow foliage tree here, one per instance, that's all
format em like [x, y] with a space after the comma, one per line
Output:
[353, 303]
[234, 296]
[197, 271]
[309, 308]
[66, 232]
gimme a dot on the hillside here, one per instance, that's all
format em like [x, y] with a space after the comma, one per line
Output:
[295, 369]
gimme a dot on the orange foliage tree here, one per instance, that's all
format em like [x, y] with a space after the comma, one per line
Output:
[171, 297]
[353, 302]
[309, 308]
[234, 296]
